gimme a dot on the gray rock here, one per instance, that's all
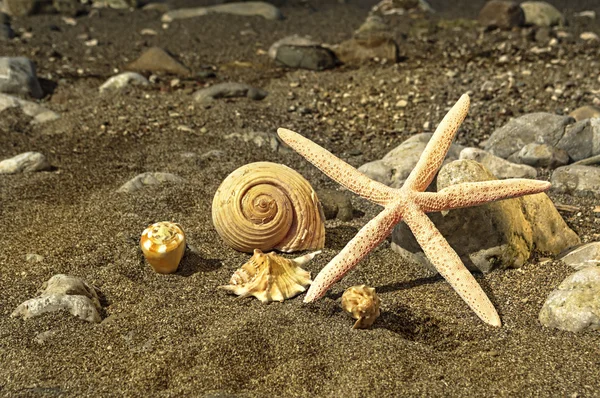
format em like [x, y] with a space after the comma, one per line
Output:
[294, 40]
[401, 7]
[582, 139]
[383, 172]
[6, 32]
[261, 139]
[149, 178]
[336, 204]
[66, 284]
[396, 165]
[228, 90]
[541, 128]
[250, 8]
[499, 167]
[540, 13]
[17, 76]
[501, 14]
[366, 47]
[501, 234]
[37, 112]
[155, 59]
[587, 255]
[63, 292]
[24, 163]
[79, 306]
[541, 155]
[304, 57]
[585, 112]
[577, 180]
[592, 160]
[574, 306]
[122, 80]
[116, 4]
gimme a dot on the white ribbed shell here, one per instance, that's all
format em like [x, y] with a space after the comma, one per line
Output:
[271, 277]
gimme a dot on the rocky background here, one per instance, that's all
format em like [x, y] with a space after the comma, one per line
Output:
[115, 114]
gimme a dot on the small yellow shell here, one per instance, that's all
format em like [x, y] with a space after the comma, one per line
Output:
[163, 245]
[363, 304]
[270, 277]
[268, 206]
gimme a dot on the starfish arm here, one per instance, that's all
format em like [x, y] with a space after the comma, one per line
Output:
[476, 193]
[437, 147]
[337, 169]
[449, 265]
[371, 235]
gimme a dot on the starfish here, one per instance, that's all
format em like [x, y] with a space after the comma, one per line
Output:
[410, 203]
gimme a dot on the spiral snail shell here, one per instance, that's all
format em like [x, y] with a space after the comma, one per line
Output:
[363, 304]
[268, 206]
[163, 245]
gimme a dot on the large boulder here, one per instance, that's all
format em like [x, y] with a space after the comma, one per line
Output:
[540, 128]
[501, 234]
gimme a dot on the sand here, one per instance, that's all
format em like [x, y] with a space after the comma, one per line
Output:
[179, 335]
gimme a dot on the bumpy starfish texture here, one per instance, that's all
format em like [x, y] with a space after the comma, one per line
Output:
[410, 204]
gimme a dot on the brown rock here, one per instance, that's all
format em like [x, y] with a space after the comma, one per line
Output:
[551, 234]
[500, 234]
[155, 59]
[501, 14]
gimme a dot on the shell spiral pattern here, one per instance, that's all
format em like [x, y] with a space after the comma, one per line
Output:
[363, 304]
[268, 206]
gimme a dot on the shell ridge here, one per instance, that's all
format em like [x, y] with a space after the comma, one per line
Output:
[270, 277]
[300, 212]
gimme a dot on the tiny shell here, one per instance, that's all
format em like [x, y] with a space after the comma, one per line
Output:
[163, 245]
[268, 206]
[363, 304]
[271, 277]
